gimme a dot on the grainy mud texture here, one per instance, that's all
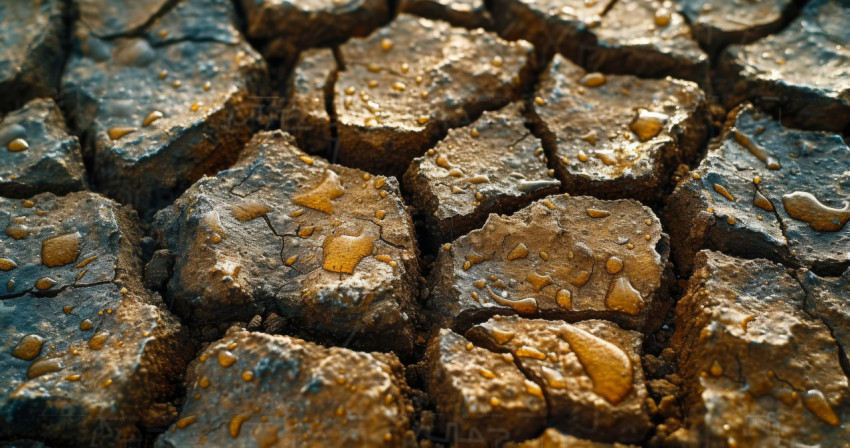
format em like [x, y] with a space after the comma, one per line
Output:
[88, 351]
[766, 191]
[164, 105]
[572, 258]
[800, 74]
[639, 37]
[406, 84]
[614, 136]
[329, 247]
[31, 53]
[756, 368]
[256, 390]
[36, 153]
[494, 165]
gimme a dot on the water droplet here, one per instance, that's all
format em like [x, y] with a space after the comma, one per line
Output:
[7, 264]
[756, 150]
[538, 281]
[249, 209]
[17, 231]
[762, 202]
[806, 207]
[29, 347]
[522, 306]
[153, 116]
[596, 213]
[86, 325]
[623, 297]
[17, 145]
[226, 358]
[343, 252]
[605, 363]
[320, 197]
[594, 79]
[564, 298]
[45, 283]
[646, 125]
[716, 369]
[662, 16]
[44, 366]
[98, 341]
[532, 388]
[61, 250]
[235, 425]
[186, 421]
[530, 352]
[816, 403]
[725, 193]
[520, 251]
[117, 132]
[614, 265]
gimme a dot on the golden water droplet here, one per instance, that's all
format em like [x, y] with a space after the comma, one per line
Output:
[7, 264]
[72, 378]
[380, 214]
[306, 159]
[45, 283]
[400, 86]
[207, 85]
[756, 150]
[29, 347]
[98, 341]
[530, 352]
[44, 366]
[532, 388]
[582, 156]
[544, 256]
[343, 252]
[623, 297]
[564, 298]
[249, 209]
[716, 369]
[386, 44]
[197, 105]
[163, 74]
[380, 181]
[61, 250]
[594, 79]
[247, 375]
[320, 197]
[177, 83]
[646, 125]
[539, 100]
[596, 213]
[486, 373]
[501, 336]
[538, 281]
[226, 358]
[605, 363]
[816, 403]
[725, 193]
[614, 265]
[806, 207]
[663, 16]
[497, 61]
[520, 251]
[117, 132]
[405, 67]
[291, 260]
[521, 306]
[762, 202]
[153, 116]
[17, 145]
[235, 425]
[86, 325]
[423, 119]
[184, 422]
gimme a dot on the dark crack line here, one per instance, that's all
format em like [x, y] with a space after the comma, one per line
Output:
[381, 233]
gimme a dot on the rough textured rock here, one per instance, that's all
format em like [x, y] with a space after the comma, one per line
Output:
[480, 395]
[637, 37]
[158, 112]
[616, 136]
[331, 247]
[718, 24]
[31, 54]
[826, 298]
[286, 28]
[570, 258]
[800, 74]
[466, 13]
[756, 368]
[552, 438]
[494, 165]
[253, 389]
[590, 372]
[309, 90]
[408, 82]
[766, 191]
[37, 154]
[111, 18]
[87, 349]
